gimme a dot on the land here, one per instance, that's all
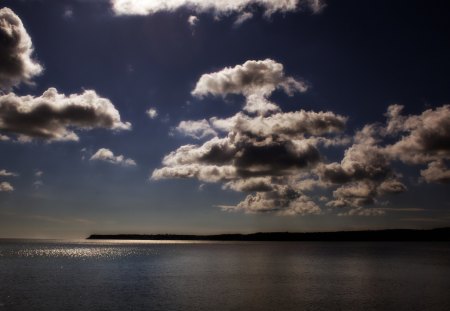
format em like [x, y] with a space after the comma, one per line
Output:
[438, 234]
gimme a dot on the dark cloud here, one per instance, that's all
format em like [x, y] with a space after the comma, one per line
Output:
[53, 116]
[16, 49]
[425, 137]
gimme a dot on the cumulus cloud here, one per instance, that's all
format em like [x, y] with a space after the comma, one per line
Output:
[54, 116]
[364, 173]
[276, 158]
[283, 201]
[425, 137]
[152, 113]
[16, 50]
[436, 171]
[256, 80]
[196, 129]
[264, 155]
[6, 187]
[5, 173]
[107, 155]
[148, 7]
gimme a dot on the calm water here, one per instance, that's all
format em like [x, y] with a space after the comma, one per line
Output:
[111, 275]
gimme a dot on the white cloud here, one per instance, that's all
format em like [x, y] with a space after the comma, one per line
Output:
[196, 129]
[192, 20]
[152, 113]
[54, 116]
[242, 18]
[4, 138]
[6, 173]
[38, 173]
[265, 155]
[275, 157]
[16, 49]
[107, 155]
[256, 80]
[283, 201]
[6, 187]
[218, 7]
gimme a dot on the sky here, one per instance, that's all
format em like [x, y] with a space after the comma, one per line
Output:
[201, 117]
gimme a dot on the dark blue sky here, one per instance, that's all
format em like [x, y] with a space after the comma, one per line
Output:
[358, 58]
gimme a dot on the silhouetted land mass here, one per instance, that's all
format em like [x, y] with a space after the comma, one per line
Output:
[438, 234]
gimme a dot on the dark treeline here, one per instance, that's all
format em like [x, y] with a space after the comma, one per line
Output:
[439, 234]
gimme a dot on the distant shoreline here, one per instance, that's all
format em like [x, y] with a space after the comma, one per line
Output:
[438, 234]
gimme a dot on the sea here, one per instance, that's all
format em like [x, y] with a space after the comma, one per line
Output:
[199, 275]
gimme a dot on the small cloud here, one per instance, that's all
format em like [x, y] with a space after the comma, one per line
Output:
[4, 138]
[152, 113]
[38, 173]
[6, 187]
[242, 18]
[38, 184]
[68, 13]
[5, 173]
[107, 155]
[196, 129]
[193, 20]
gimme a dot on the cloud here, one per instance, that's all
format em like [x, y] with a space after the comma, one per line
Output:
[68, 13]
[16, 49]
[148, 7]
[425, 137]
[38, 173]
[196, 129]
[363, 212]
[107, 155]
[365, 172]
[192, 20]
[436, 171]
[264, 155]
[276, 157]
[6, 187]
[152, 113]
[54, 116]
[243, 17]
[5, 173]
[283, 201]
[38, 184]
[256, 80]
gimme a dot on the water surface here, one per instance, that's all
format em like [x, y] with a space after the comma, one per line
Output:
[182, 275]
